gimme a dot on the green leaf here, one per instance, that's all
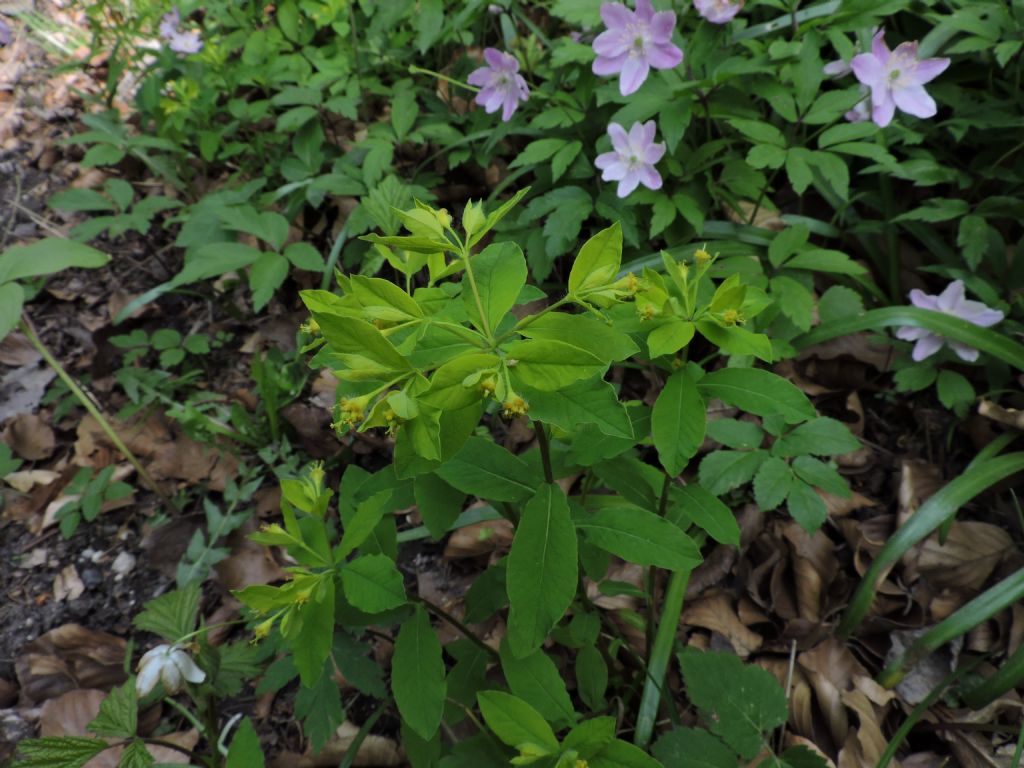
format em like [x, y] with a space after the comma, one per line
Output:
[484, 469]
[797, 169]
[118, 715]
[361, 525]
[373, 584]
[12, 298]
[722, 471]
[500, 273]
[599, 338]
[81, 200]
[806, 506]
[762, 133]
[597, 263]
[736, 340]
[678, 422]
[954, 391]
[136, 755]
[758, 392]
[985, 339]
[693, 748]
[794, 300]
[591, 677]
[772, 483]
[621, 754]
[267, 275]
[535, 679]
[417, 675]
[448, 386]
[312, 644]
[320, 709]
[356, 341]
[515, 722]
[439, 504]
[537, 151]
[172, 615]
[820, 437]
[383, 300]
[585, 402]
[701, 507]
[839, 302]
[669, 337]
[547, 365]
[429, 24]
[542, 569]
[825, 260]
[822, 475]
[404, 111]
[739, 702]
[563, 159]
[640, 537]
[732, 433]
[245, 751]
[47, 257]
[58, 752]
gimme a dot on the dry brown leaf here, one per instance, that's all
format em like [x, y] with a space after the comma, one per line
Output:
[863, 347]
[716, 612]
[840, 507]
[30, 437]
[22, 389]
[865, 743]
[27, 479]
[971, 553]
[918, 481]
[16, 350]
[1010, 416]
[249, 563]
[479, 539]
[814, 568]
[929, 672]
[376, 751]
[67, 585]
[69, 657]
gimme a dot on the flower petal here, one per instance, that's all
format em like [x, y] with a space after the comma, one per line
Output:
[964, 352]
[867, 68]
[914, 100]
[878, 47]
[509, 106]
[922, 300]
[650, 177]
[481, 76]
[951, 298]
[149, 674]
[620, 139]
[926, 346]
[911, 333]
[611, 43]
[605, 159]
[662, 26]
[629, 182]
[608, 65]
[929, 69]
[188, 668]
[882, 109]
[494, 58]
[634, 72]
[664, 56]
[644, 10]
[616, 15]
[616, 171]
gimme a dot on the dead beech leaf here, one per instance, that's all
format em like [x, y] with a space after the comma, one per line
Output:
[69, 657]
[766, 216]
[840, 507]
[479, 539]
[1010, 416]
[375, 751]
[249, 563]
[924, 676]
[716, 612]
[67, 585]
[971, 553]
[863, 347]
[814, 568]
[70, 713]
[918, 481]
[30, 437]
[27, 479]
[16, 350]
[864, 743]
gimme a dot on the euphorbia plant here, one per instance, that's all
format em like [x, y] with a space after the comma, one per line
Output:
[439, 360]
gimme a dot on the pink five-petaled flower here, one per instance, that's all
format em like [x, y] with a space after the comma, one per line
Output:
[500, 83]
[633, 157]
[951, 302]
[178, 41]
[634, 42]
[718, 11]
[896, 79]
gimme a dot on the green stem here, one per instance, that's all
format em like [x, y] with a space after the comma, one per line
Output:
[95, 412]
[545, 451]
[442, 614]
[661, 652]
[414, 70]
[184, 712]
[476, 295]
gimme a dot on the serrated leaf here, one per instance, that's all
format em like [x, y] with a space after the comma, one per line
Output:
[485, 469]
[722, 471]
[319, 708]
[136, 755]
[819, 437]
[418, 675]
[702, 508]
[772, 483]
[542, 569]
[822, 475]
[58, 752]
[693, 748]
[806, 506]
[678, 422]
[585, 402]
[118, 715]
[739, 702]
[172, 615]
[245, 750]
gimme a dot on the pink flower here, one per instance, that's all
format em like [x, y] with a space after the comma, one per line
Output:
[5, 33]
[896, 79]
[500, 83]
[634, 42]
[632, 160]
[951, 302]
[178, 41]
[718, 11]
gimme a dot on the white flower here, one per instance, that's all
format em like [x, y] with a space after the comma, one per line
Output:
[169, 664]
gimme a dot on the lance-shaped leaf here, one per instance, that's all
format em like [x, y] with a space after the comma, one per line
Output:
[678, 422]
[547, 364]
[356, 340]
[640, 537]
[758, 392]
[418, 675]
[598, 261]
[500, 274]
[542, 569]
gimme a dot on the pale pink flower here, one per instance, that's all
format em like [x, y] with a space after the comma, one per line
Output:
[634, 42]
[178, 41]
[718, 11]
[896, 79]
[500, 83]
[951, 302]
[5, 33]
[632, 160]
